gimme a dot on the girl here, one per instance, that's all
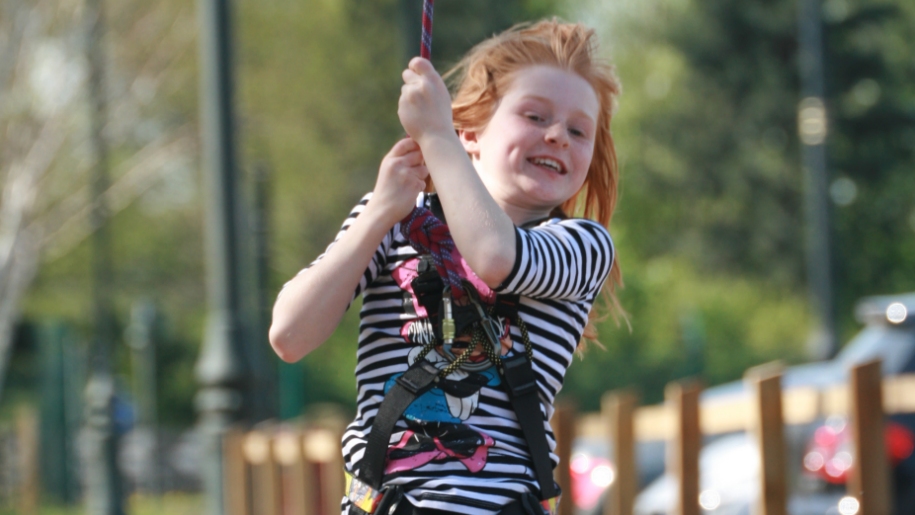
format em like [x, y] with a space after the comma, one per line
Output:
[446, 316]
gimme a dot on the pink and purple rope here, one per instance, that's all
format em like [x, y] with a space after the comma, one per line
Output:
[426, 233]
[425, 50]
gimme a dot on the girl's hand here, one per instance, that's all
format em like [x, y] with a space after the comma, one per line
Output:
[425, 104]
[401, 177]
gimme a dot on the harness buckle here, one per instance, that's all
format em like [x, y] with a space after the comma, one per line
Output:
[491, 327]
[361, 494]
[550, 506]
[419, 378]
[519, 375]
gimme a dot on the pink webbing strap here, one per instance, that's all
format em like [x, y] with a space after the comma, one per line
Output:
[425, 49]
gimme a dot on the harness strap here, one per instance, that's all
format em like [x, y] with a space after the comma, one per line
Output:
[427, 233]
[417, 380]
[522, 385]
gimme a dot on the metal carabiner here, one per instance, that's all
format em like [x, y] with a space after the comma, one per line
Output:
[491, 327]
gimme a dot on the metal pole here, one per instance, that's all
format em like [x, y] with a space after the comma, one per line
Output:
[220, 370]
[812, 129]
[142, 342]
[266, 376]
[104, 495]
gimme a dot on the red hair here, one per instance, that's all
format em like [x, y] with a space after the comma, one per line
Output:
[480, 79]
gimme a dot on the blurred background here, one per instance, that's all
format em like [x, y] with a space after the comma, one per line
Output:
[767, 150]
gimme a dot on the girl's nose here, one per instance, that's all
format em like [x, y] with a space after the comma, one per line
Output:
[556, 134]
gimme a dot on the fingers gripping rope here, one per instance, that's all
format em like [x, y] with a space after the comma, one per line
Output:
[425, 50]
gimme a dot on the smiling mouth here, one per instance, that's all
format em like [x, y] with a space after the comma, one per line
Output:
[546, 162]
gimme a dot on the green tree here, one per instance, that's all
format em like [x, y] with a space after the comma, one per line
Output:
[872, 145]
[712, 182]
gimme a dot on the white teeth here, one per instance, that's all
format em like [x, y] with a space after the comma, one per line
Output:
[547, 162]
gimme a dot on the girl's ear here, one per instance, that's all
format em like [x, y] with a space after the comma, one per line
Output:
[469, 140]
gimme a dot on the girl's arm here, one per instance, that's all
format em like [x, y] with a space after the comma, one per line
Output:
[484, 234]
[312, 304]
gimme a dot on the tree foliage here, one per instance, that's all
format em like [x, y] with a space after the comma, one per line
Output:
[712, 177]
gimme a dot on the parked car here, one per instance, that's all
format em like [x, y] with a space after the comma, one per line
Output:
[819, 453]
[592, 472]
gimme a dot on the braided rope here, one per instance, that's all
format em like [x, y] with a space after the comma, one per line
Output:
[428, 235]
[425, 49]
[478, 337]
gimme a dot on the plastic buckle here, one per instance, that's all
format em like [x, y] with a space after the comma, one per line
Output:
[361, 494]
[550, 506]
[519, 375]
[419, 377]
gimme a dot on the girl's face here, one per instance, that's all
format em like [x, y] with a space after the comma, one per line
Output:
[535, 152]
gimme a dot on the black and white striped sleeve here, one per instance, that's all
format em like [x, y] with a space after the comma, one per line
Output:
[561, 259]
[379, 258]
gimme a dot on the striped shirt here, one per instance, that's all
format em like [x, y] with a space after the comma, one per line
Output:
[459, 447]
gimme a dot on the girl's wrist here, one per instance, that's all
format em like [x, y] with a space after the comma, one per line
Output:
[434, 141]
[379, 216]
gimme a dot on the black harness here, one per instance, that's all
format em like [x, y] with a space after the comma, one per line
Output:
[365, 491]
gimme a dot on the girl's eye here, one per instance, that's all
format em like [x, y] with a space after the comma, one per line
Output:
[534, 117]
[576, 132]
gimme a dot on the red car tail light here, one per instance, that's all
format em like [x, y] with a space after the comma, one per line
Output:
[900, 442]
[829, 454]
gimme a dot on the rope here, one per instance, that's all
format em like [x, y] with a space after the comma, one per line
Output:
[425, 49]
[428, 235]
[479, 338]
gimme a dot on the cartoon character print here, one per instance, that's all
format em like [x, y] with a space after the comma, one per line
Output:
[435, 419]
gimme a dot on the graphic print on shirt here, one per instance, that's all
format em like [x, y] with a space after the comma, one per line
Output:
[435, 419]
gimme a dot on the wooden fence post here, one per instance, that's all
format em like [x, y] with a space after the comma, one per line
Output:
[311, 484]
[768, 429]
[869, 480]
[334, 482]
[322, 449]
[237, 488]
[618, 408]
[287, 450]
[265, 485]
[563, 424]
[683, 453]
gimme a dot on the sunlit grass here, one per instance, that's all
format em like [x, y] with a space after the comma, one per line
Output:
[172, 504]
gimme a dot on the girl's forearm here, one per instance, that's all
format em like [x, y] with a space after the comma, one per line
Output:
[312, 304]
[484, 234]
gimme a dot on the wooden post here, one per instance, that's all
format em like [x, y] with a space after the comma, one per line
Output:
[869, 480]
[288, 452]
[683, 453]
[618, 408]
[322, 450]
[333, 481]
[311, 484]
[768, 429]
[237, 488]
[563, 424]
[265, 484]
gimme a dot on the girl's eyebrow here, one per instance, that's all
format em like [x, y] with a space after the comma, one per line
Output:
[545, 100]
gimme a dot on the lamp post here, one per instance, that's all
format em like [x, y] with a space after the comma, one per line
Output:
[104, 495]
[813, 130]
[141, 339]
[220, 370]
